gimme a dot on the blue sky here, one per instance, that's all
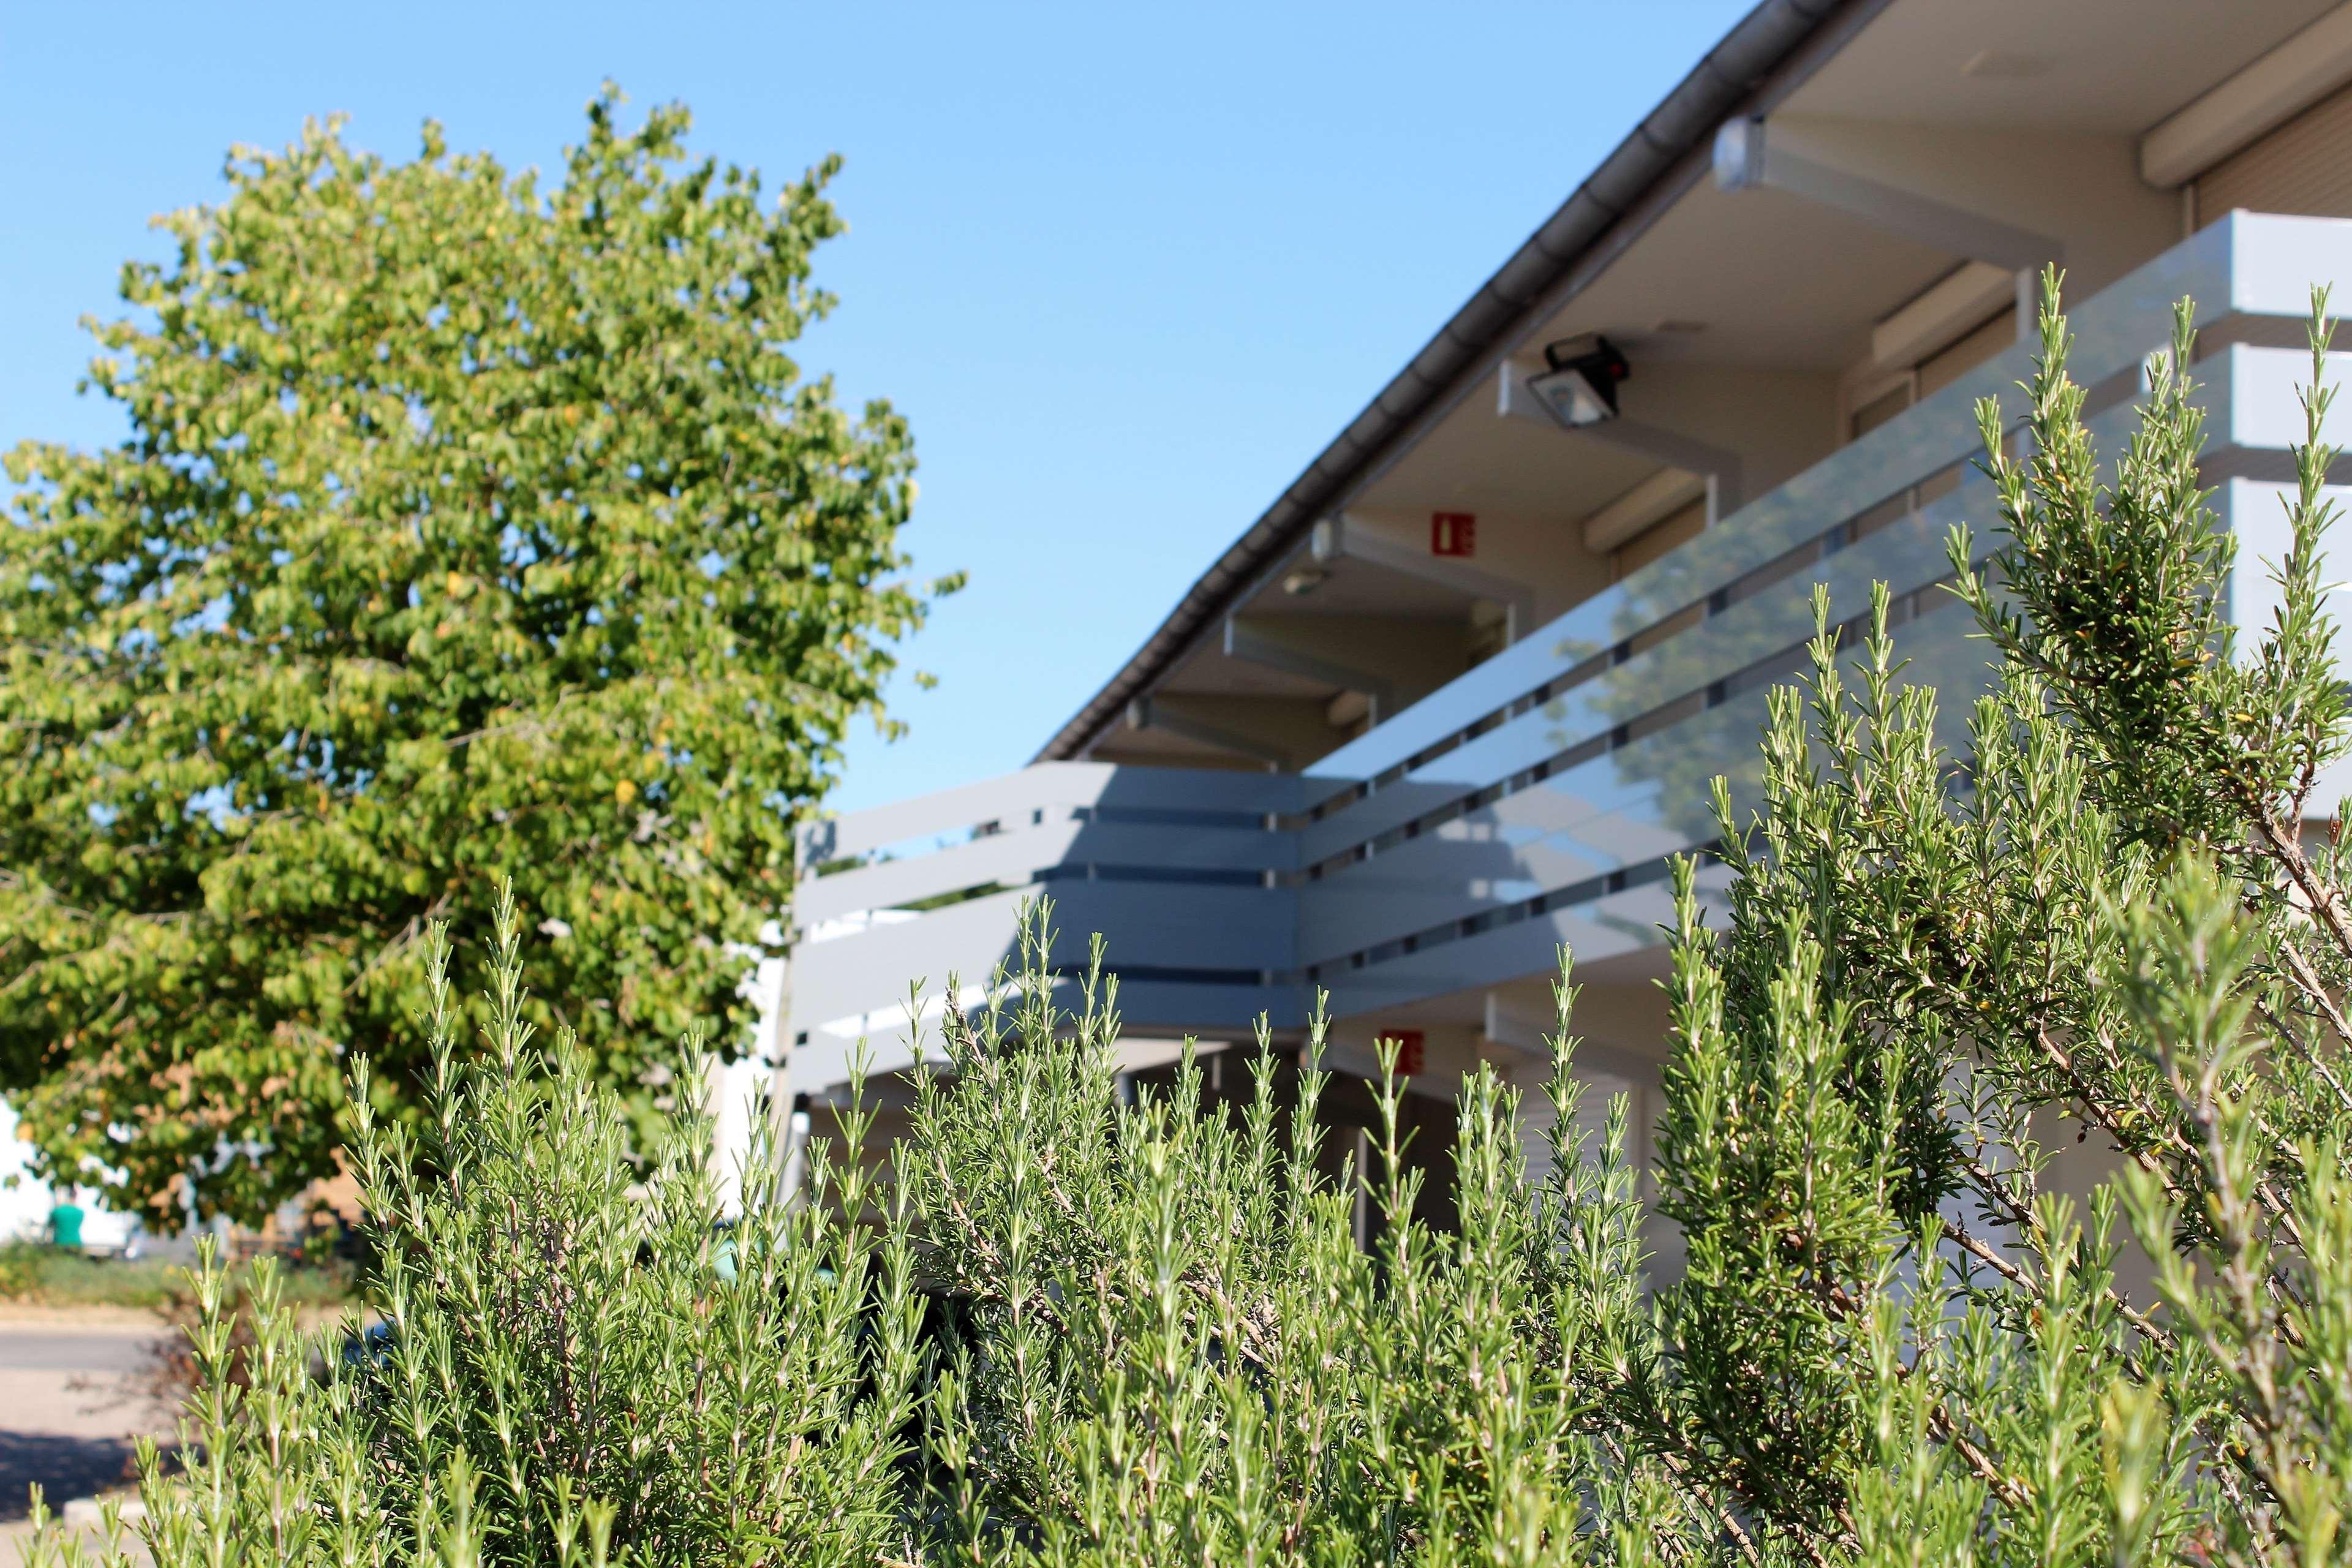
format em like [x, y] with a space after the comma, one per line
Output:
[1126, 269]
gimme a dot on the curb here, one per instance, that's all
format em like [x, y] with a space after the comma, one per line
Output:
[89, 1512]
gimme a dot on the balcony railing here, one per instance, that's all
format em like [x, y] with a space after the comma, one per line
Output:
[1534, 800]
[927, 893]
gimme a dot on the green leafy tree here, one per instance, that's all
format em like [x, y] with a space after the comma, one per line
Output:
[463, 531]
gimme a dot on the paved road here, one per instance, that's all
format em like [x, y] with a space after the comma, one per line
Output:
[66, 1422]
[111, 1351]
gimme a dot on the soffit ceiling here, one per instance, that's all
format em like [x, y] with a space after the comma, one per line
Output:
[1771, 282]
[1801, 296]
[1210, 670]
[1349, 587]
[1476, 461]
[1767, 279]
[2106, 66]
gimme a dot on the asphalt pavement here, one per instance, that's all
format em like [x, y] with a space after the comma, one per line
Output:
[67, 1416]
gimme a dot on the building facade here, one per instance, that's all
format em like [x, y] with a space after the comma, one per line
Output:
[1454, 699]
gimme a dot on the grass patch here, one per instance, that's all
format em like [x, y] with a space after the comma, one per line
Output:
[43, 1275]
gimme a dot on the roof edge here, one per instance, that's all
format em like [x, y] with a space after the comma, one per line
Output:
[1764, 44]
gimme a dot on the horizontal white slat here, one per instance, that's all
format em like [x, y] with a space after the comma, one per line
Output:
[1015, 857]
[1012, 797]
[1620, 810]
[2274, 258]
[1218, 1016]
[2248, 264]
[1609, 928]
[1148, 926]
[2261, 393]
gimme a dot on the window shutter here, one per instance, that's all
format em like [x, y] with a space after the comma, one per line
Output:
[2303, 166]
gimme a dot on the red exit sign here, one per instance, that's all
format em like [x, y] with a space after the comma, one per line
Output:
[1453, 534]
[1413, 1050]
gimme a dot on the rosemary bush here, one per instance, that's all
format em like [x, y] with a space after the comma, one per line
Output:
[1172, 1349]
[1904, 1334]
[1054, 1327]
[580, 1367]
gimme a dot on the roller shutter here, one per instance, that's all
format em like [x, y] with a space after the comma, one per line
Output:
[1680, 528]
[1946, 366]
[2303, 166]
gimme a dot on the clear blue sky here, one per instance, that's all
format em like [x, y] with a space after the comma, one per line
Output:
[1126, 269]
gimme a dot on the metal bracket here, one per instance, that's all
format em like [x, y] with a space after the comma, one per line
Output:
[1747, 159]
[1725, 494]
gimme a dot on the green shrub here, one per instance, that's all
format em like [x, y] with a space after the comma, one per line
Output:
[1902, 1338]
[565, 1366]
[37, 1272]
[20, 1270]
[580, 1363]
[1171, 1349]
[1051, 1327]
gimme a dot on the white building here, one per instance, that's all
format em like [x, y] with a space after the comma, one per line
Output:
[1455, 697]
[26, 1202]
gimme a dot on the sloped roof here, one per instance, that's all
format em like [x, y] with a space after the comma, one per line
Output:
[1739, 73]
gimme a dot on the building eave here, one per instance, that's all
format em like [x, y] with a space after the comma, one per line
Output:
[1762, 59]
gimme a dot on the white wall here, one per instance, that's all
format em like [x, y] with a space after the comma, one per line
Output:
[25, 1201]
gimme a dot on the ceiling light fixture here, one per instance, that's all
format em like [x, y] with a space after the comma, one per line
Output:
[1580, 386]
[2003, 64]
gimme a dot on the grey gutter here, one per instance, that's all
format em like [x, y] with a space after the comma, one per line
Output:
[1766, 40]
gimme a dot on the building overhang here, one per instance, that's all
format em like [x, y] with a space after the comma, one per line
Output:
[1756, 64]
[1898, 147]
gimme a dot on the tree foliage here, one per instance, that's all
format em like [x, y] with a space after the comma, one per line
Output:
[463, 531]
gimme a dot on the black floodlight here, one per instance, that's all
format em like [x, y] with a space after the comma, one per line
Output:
[1580, 387]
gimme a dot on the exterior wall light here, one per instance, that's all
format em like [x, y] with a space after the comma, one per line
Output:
[1303, 581]
[1580, 387]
